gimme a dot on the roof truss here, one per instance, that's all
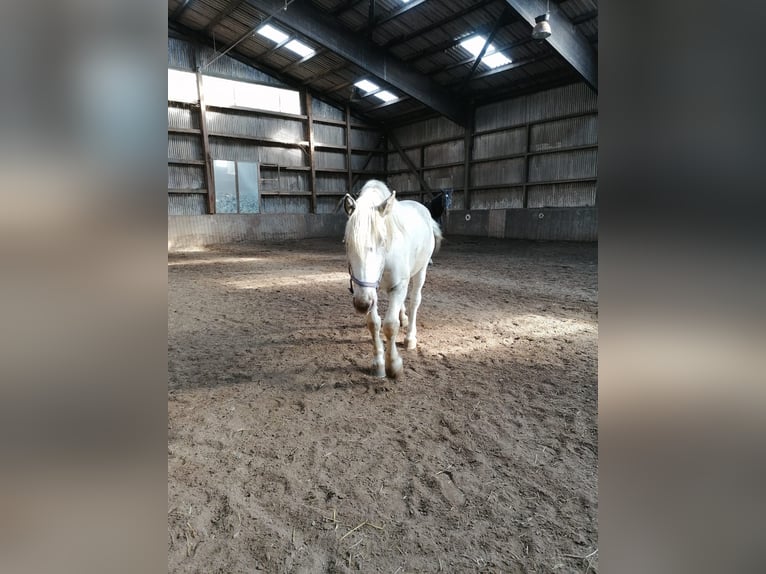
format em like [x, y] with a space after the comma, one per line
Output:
[316, 26]
[565, 39]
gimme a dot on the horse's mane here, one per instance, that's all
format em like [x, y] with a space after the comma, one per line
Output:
[366, 225]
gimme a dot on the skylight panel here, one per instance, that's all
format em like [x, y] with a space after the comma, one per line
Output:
[366, 86]
[385, 95]
[272, 33]
[299, 48]
[493, 59]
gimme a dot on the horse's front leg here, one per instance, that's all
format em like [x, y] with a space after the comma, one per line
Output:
[391, 329]
[373, 324]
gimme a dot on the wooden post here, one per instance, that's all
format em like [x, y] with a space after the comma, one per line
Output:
[467, 153]
[312, 162]
[423, 183]
[348, 149]
[525, 203]
[209, 181]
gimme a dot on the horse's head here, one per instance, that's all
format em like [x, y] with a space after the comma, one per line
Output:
[366, 241]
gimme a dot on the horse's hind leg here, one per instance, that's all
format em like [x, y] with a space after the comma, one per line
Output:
[373, 324]
[416, 286]
[404, 320]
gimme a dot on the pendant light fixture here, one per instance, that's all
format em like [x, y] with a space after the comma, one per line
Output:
[542, 27]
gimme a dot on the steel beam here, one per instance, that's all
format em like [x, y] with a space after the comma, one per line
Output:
[565, 38]
[315, 25]
[436, 25]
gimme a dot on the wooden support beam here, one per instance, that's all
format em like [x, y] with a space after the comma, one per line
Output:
[367, 162]
[209, 180]
[423, 183]
[467, 154]
[348, 150]
[312, 159]
[527, 154]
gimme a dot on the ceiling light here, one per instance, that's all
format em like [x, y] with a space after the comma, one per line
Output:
[491, 58]
[272, 33]
[366, 86]
[386, 96]
[542, 27]
[299, 48]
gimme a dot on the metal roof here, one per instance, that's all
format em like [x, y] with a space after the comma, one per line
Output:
[408, 48]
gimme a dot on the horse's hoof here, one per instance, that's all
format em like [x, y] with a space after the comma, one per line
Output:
[379, 371]
[410, 344]
[394, 369]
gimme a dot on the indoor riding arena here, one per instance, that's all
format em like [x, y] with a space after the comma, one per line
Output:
[285, 452]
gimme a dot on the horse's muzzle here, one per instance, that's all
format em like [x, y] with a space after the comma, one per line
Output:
[363, 305]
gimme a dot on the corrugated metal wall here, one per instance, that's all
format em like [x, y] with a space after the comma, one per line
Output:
[272, 140]
[563, 195]
[184, 146]
[428, 131]
[333, 183]
[503, 171]
[238, 150]
[564, 165]
[570, 132]
[185, 118]
[279, 204]
[330, 159]
[322, 109]
[364, 139]
[329, 135]
[247, 124]
[186, 177]
[361, 161]
[500, 143]
[538, 150]
[180, 54]
[187, 204]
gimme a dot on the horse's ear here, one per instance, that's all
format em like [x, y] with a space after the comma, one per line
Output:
[349, 205]
[385, 207]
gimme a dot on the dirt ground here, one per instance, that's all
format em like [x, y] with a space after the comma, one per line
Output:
[286, 455]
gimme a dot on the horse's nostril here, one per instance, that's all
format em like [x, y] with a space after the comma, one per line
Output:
[362, 306]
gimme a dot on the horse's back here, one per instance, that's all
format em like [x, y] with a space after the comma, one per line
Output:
[420, 225]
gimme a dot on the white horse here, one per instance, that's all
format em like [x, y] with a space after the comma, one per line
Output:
[388, 244]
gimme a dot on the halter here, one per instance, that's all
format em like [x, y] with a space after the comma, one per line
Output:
[359, 282]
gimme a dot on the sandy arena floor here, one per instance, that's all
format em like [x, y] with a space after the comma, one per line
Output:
[285, 455]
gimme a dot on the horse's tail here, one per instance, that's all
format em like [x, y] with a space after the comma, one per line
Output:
[437, 236]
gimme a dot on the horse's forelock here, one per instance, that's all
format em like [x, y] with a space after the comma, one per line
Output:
[364, 228]
[366, 225]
